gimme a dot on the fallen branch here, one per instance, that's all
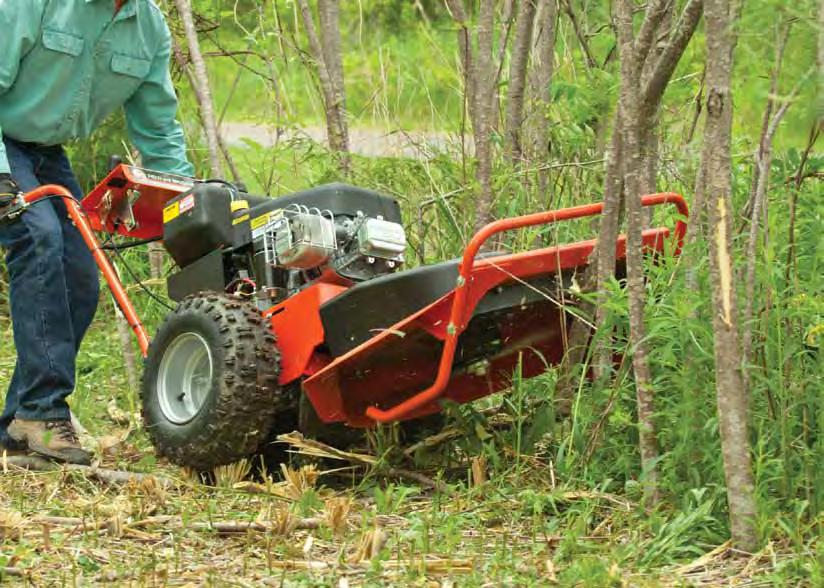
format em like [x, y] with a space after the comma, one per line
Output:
[234, 527]
[75, 522]
[496, 420]
[434, 566]
[434, 440]
[176, 522]
[704, 560]
[592, 495]
[39, 464]
[314, 448]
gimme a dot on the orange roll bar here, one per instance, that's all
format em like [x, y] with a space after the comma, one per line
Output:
[79, 219]
[460, 314]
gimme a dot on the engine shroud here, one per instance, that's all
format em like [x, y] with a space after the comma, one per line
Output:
[280, 244]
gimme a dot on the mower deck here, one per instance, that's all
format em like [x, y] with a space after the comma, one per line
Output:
[519, 320]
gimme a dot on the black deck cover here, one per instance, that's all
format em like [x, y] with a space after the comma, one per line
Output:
[341, 199]
[359, 313]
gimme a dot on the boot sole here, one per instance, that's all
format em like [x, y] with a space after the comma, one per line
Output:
[13, 452]
[76, 456]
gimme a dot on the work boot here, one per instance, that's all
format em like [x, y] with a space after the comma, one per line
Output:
[10, 447]
[54, 439]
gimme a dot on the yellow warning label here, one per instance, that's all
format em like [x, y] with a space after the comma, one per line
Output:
[171, 212]
[240, 219]
[260, 221]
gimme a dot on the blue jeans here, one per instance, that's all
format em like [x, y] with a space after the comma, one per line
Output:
[54, 289]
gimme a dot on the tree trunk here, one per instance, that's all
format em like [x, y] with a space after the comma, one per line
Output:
[201, 87]
[697, 227]
[329, 16]
[605, 248]
[183, 64]
[731, 395]
[766, 119]
[480, 74]
[632, 163]
[654, 82]
[124, 333]
[506, 20]
[519, 65]
[156, 256]
[456, 7]
[540, 87]
[579, 34]
[762, 165]
[330, 74]
[483, 83]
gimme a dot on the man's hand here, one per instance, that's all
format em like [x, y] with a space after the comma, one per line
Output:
[8, 191]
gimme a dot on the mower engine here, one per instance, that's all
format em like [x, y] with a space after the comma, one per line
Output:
[276, 247]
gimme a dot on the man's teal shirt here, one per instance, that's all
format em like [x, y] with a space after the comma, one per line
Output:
[66, 65]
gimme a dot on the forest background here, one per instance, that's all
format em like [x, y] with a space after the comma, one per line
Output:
[467, 112]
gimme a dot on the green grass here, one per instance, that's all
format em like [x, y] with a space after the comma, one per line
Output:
[387, 83]
[562, 500]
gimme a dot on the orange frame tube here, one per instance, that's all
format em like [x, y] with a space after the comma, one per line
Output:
[101, 259]
[460, 314]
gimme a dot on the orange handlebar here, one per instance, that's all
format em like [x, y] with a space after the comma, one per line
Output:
[112, 279]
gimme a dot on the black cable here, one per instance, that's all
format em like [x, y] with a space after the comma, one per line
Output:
[17, 211]
[130, 244]
[233, 188]
[108, 246]
[142, 286]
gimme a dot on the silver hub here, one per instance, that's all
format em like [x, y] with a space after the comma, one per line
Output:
[184, 378]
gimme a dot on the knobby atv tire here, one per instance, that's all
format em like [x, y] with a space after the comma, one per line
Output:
[244, 402]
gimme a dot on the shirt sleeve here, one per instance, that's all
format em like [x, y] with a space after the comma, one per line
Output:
[151, 120]
[20, 23]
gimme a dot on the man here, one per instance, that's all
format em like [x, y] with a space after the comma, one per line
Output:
[66, 65]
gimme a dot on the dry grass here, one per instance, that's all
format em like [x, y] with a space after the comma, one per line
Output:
[61, 528]
[362, 523]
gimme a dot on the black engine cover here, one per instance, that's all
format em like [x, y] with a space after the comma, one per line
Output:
[340, 199]
[197, 223]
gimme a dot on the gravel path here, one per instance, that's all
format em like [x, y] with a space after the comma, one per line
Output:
[371, 142]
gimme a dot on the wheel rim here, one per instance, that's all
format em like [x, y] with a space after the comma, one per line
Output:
[184, 378]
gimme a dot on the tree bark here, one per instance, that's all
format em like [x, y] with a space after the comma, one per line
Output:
[605, 248]
[579, 34]
[506, 21]
[670, 56]
[519, 64]
[124, 333]
[456, 8]
[732, 398]
[201, 87]
[156, 256]
[632, 164]
[330, 73]
[480, 75]
[540, 87]
[483, 83]
[758, 191]
[653, 82]
[329, 17]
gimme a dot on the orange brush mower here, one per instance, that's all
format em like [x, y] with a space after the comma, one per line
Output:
[304, 297]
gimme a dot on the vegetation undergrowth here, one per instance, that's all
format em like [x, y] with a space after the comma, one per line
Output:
[528, 498]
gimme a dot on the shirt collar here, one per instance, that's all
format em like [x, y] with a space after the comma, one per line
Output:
[128, 10]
